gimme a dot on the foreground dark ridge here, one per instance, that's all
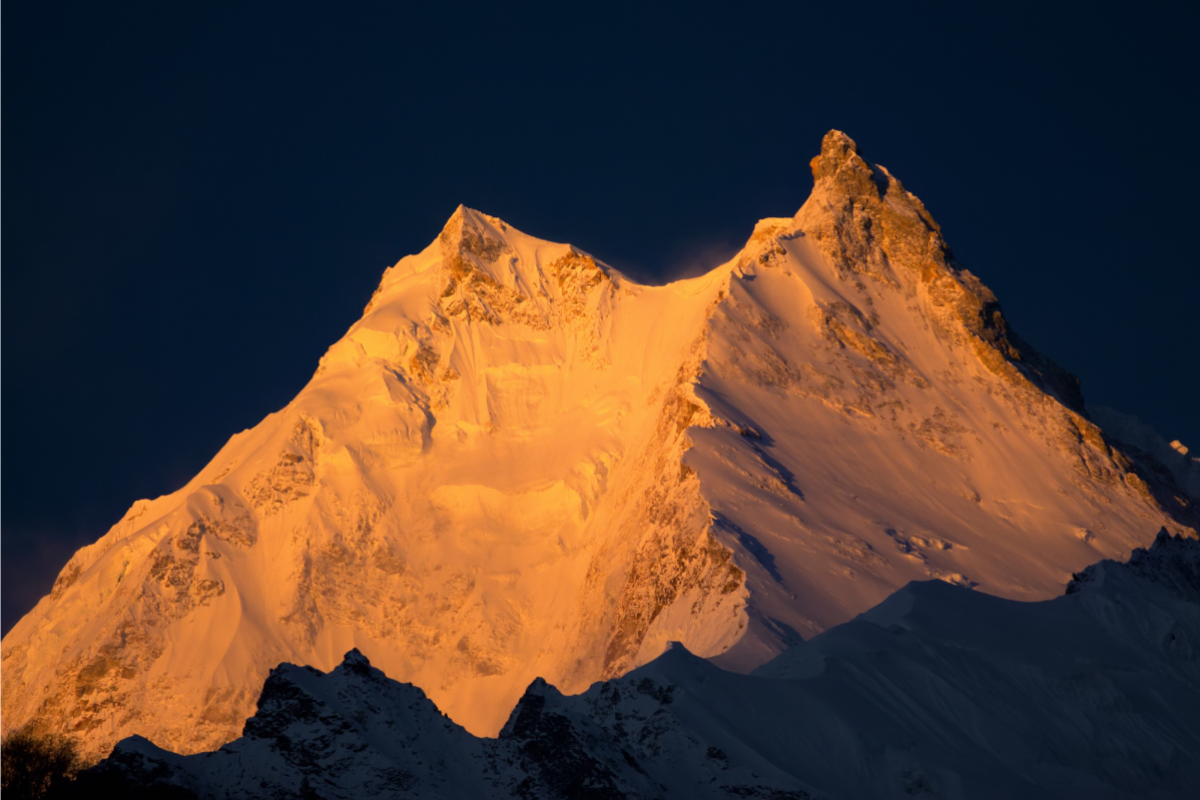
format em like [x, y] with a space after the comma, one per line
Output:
[939, 691]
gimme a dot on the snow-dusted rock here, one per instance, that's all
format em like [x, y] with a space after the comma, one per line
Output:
[519, 462]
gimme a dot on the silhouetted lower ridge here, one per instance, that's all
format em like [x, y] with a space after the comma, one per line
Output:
[939, 691]
[112, 783]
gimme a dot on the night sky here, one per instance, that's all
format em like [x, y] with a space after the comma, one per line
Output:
[199, 200]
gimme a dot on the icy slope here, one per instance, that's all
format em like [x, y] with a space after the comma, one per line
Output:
[937, 692]
[521, 463]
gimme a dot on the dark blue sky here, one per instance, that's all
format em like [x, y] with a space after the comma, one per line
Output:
[198, 200]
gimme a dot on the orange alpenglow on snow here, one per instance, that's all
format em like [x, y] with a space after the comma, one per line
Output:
[522, 463]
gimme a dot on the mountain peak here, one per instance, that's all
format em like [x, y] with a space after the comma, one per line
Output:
[836, 149]
[838, 144]
[517, 463]
[355, 656]
[870, 227]
[841, 163]
[469, 222]
[355, 661]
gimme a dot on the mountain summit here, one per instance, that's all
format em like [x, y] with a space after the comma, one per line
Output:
[522, 463]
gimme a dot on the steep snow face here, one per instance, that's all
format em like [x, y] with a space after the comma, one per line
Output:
[520, 463]
[937, 692]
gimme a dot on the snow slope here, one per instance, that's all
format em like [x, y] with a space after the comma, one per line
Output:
[937, 692]
[519, 462]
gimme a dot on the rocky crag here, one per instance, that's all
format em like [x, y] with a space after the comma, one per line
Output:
[520, 462]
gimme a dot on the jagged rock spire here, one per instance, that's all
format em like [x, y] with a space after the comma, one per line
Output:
[841, 162]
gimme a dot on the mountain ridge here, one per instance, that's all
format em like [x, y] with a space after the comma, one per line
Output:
[936, 692]
[521, 462]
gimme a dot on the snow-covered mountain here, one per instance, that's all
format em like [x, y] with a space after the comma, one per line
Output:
[937, 692]
[521, 463]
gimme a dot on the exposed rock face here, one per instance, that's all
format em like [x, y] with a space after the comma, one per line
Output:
[937, 692]
[521, 463]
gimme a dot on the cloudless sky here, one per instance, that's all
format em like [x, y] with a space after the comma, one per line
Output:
[198, 199]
